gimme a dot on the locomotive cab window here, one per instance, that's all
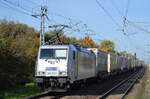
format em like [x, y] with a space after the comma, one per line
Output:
[53, 54]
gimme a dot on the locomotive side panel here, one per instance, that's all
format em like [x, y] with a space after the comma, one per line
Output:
[121, 62]
[86, 65]
[102, 62]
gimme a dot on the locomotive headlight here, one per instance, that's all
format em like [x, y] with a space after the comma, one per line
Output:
[63, 73]
[41, 73]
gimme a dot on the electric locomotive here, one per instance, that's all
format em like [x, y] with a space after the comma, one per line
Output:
[60, 66]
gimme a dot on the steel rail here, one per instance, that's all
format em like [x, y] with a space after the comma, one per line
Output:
[132, 84]
[49, 93]
[119, 84]
[37, 95]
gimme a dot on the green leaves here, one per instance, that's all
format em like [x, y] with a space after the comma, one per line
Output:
[18, 49]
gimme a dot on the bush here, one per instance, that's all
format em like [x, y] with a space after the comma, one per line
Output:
[18, 49]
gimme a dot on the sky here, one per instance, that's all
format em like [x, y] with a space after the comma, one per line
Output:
[102, 22]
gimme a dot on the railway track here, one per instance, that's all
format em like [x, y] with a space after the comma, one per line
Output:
[37, 95]
[120, 90]
[49, 94]
[98, 90]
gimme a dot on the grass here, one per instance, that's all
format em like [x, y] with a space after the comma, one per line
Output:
[142, 89]
[20, 91]
[146, 94]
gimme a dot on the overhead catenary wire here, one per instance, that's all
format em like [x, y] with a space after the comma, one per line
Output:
[138, 27]
[107, 13]
[71, 22]
[74, 24]
[126, 21]
[141, 22]
[18, 8]
[136, 47]
[62, 16]
[43, 9]
[16, 5]
[125, 17]
[15, 9]
[116, 7]
[33, 2]
[45, 2]
[35, 6]
[3, 5]
[127, 8]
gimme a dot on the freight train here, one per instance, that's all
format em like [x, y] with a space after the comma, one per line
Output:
[61, 66]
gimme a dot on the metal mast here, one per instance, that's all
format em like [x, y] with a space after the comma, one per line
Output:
[42, 34]
[42, 26]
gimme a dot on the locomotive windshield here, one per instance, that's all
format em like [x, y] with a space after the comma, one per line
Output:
[53, 53]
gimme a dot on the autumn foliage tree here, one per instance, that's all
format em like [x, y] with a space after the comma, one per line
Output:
[125, 54]
[107, 46]
[87, 41]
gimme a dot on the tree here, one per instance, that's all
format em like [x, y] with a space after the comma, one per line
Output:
[18, 50]
[107, 46]
[125, 54]
[87, 41]
[53, 36]
[71, 40]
